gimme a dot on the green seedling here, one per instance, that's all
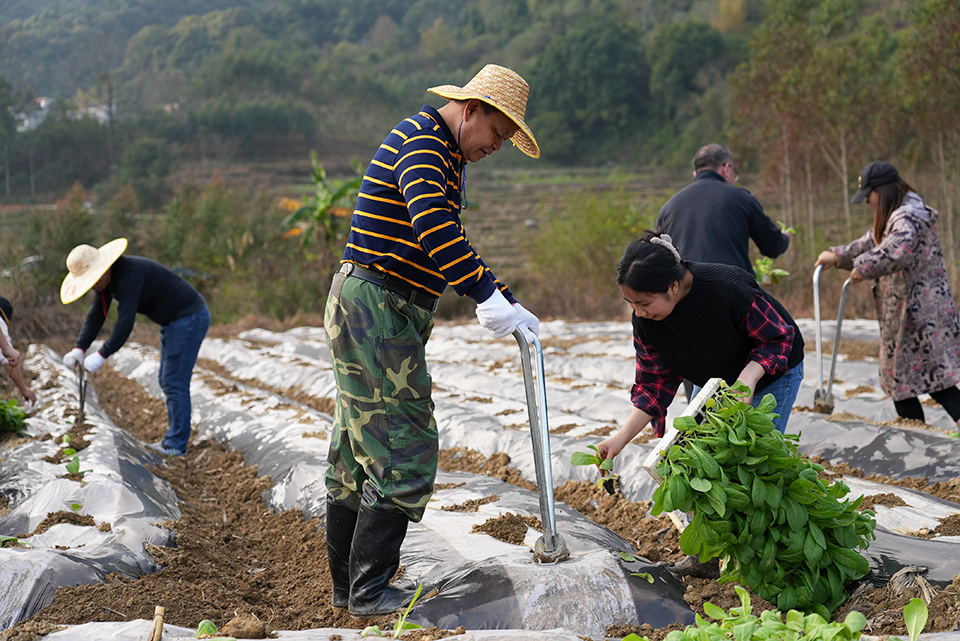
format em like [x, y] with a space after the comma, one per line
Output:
[783, 532]
[69, 451]
[402, 624]
[915, 617]
[609, 483]
[629, 558]
[73, 466]
[789, 230]
[771, 625]
[4, 539]
[11, 416]
[65, 439]
[207, 629]
[75, 508]
[766, 273]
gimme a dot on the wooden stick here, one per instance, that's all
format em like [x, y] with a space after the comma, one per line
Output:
[156, 632]
[676, 521]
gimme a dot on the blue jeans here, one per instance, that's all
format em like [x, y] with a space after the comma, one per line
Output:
[179, 345]
[784, 389]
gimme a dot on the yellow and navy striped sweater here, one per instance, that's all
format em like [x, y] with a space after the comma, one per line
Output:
[407, 220]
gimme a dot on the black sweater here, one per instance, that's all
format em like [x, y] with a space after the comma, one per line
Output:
[143, 286]
[702, 338]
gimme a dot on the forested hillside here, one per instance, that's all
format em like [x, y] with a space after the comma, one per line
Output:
[804, 91]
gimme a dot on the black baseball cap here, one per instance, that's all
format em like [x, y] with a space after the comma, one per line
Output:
[873, 175]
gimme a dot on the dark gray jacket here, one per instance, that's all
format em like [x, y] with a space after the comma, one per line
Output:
[712, 221]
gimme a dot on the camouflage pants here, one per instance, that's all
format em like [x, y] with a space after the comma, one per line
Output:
[385, 443]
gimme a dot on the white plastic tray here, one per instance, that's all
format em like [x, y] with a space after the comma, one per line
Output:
[671, 433]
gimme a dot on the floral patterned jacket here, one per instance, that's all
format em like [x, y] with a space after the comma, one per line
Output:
[919, 325]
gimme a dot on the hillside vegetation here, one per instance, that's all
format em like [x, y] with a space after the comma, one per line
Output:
[152, 99]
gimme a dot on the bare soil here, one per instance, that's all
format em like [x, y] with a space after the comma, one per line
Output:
[236, 559]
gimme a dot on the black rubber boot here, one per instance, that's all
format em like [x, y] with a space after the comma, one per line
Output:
[374, 559]
[341, 522]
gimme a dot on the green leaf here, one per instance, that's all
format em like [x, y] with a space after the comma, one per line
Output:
[684, 423]
[767, 404]
[629, 558]
[643, 575]
[700, 484]
[583, 458]
[714, 612]
[207, 627]
[371, 631]
[607, 464]
[915, 616]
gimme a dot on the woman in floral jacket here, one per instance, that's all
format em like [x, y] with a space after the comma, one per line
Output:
[919, 325]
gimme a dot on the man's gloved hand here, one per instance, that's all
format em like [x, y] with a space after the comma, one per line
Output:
[93, 362]
[528, 322]
[74, 356]
[497, 315]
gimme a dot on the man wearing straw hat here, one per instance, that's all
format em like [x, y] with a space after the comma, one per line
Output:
[406, 245]
[140, 285]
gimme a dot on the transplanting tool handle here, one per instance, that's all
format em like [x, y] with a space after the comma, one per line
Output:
[551, 547]
[81, 388]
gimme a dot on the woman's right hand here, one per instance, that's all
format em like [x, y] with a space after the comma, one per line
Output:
[612, 446]
[827, 258]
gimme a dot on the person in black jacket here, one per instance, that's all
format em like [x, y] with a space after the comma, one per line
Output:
[140, 285]
[711, 220]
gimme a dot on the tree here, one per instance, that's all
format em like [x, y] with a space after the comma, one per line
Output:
[587, 86]
[931, 81]
[678, 53]
[8, 124]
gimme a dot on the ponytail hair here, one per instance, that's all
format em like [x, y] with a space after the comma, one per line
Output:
[651, 264]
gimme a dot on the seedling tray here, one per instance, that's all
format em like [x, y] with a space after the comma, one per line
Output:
[670, 435]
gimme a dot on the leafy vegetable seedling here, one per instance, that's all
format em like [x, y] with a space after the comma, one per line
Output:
[784, 533]
[11, 416]
[610, 483]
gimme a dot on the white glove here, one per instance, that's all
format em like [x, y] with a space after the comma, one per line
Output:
[528, 322]
[74, 356]
[497, 316]
[93, 362]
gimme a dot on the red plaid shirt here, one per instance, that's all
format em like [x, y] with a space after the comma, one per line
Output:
[656, 382]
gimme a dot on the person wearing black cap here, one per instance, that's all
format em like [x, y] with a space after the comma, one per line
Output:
[919, 324]
[12, 364]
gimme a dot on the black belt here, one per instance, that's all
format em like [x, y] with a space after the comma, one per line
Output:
[401, 289]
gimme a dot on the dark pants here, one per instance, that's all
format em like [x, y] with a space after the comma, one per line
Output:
[949, 398]
[179, 346]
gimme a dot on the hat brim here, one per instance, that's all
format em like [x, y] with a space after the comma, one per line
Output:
[74, 287]
[523, 139]
[860, 195]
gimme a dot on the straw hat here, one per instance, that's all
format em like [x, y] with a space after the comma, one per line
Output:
[506, 90]
[86, 265]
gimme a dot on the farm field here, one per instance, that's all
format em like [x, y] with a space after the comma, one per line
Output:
[236, 528]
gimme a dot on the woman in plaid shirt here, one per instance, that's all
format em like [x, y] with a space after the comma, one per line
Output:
[701, 321]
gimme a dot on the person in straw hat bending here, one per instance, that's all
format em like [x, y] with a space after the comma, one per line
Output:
[406, 244]
[140, 285]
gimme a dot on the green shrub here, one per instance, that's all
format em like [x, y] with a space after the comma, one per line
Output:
[762, 508]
